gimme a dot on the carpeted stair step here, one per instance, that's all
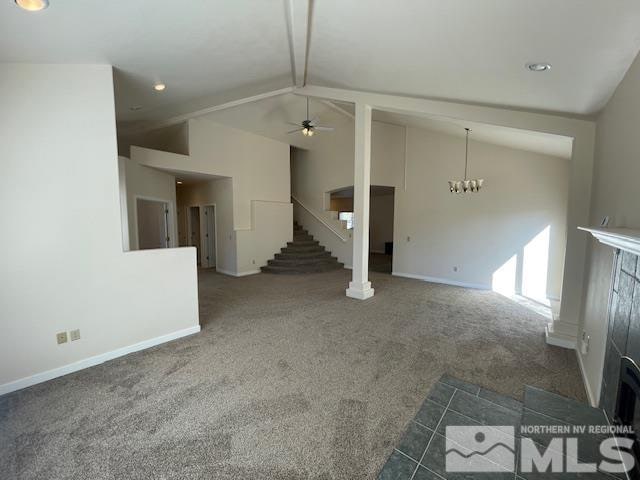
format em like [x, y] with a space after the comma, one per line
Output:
[302, 255]
[297, 269]
[302, 248]
[303, 243]
[313, 254]
[302, 238]
[285, 262]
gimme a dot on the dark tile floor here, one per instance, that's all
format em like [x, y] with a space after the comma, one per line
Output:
[452, 402]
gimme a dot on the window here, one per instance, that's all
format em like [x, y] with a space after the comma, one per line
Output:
[347, 217]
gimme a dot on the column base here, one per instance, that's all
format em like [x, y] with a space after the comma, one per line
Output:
[558, 338]
[361, 291]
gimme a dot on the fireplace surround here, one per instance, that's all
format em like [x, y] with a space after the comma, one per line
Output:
[623, 333]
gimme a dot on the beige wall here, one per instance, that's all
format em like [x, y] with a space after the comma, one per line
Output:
[218, 193]
[328, 166]
[615, 193]
[258, 165]
[524, 193]
[174, 139]
[256, 198]
[149, 183]
[67, 271]
[475, 233]
[341, 204]
[241, 252]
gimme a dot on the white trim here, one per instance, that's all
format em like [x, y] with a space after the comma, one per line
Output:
[237, 274]
[587, 386]
[627, 239]
[444, 281]
[124, 203]
[320, 219]
[205, 111]
[171, 226]
[558, 339]
[95, 360]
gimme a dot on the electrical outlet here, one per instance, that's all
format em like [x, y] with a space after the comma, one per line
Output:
[61, 337]
[584, 348]
[74, 335]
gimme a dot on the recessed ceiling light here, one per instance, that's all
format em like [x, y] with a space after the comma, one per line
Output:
[32, 5]
[159, 86]
[539, 67]
[179, 182]
[135, 108]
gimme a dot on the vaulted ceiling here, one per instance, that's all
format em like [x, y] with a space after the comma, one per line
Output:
[210, 52]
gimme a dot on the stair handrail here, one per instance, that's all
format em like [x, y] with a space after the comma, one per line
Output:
[320, 219]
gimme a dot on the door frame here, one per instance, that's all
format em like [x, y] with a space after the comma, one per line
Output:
[170, 230]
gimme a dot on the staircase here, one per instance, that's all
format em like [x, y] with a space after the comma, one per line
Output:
[303, 255]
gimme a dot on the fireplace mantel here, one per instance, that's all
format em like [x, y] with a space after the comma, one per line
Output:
[627, 239]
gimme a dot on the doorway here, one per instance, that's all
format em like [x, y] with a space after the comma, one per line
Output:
[209, 243]
[153, 223]
[381, 221]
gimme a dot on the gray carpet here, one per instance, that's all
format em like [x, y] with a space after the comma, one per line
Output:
[289, 379]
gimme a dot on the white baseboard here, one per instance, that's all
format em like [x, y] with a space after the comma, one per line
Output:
[592, 398]
[95, 360]
[444, 281]
[237, 274]
[559, 340]
[248, 272]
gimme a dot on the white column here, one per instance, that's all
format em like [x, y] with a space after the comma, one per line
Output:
[360, 286]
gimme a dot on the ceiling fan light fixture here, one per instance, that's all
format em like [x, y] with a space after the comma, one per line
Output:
[32, 5]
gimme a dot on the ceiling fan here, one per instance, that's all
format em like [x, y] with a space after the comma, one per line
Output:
[309, 127]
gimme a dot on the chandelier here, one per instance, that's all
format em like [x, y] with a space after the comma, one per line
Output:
[464, 186]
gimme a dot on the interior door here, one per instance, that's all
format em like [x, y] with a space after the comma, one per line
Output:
[183, 226]
[194, 231]
[153, 223]
[210, 236]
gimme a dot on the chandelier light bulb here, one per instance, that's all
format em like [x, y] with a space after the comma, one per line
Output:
[305, 132]
[464, 186]
[310, 134]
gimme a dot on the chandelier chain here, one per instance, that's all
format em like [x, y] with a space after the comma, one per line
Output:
[466, 154]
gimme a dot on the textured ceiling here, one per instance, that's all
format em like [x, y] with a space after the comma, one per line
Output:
[214, 51]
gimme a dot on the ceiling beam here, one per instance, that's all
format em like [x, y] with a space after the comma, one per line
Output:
[539, 122]
[298, 17]
[338, 109]
[205, 111]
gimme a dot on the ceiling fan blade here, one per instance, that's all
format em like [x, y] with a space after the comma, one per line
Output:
[294, 124]
[323, 128]
[296, 130]
[314, 120]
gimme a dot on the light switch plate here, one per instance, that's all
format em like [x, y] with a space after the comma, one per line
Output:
[74, 335]
[61, 337]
